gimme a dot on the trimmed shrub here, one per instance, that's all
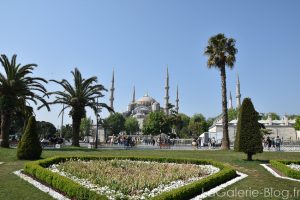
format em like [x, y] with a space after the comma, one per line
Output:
[76, 191]
[282, 167]
[248, 136]
[29, 148]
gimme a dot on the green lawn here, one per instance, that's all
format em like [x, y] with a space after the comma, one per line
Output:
[259, 180]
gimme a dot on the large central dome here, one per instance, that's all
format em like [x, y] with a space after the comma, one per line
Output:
[145, 100]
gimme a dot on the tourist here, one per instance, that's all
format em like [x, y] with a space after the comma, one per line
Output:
[209, 143]
[213, 143]
[153, 142]
[199, 142]
[269, 142]
[277, 143]
[273, 142]
[194, 144]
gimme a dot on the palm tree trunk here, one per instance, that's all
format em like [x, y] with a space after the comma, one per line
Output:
[75, 130]
[5, 124]
[225, 140]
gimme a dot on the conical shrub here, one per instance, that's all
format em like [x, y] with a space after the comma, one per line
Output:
[248, 136]
[29, 148]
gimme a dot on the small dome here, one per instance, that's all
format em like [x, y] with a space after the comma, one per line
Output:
[146, 100]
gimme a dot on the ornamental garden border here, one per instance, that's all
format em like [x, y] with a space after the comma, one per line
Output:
[281, 165]
[38, 169]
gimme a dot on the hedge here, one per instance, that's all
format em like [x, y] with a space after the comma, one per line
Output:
[75, 191]
[282, 167]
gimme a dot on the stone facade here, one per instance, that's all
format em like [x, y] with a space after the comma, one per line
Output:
[283, 128]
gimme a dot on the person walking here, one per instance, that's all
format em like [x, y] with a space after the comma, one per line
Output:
[269, 143]
[277, 143]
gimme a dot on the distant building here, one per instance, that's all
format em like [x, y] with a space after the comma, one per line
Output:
[140, 108]
[283, 128]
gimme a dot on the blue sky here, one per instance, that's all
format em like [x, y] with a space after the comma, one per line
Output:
[138, 38]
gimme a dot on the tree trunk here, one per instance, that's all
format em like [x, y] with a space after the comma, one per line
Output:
[249, 156]
[5, 124]
[225, 140]
[75, 130]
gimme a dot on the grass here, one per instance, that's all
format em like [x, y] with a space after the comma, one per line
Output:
[259, 180]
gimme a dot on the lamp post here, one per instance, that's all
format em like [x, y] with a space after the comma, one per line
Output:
[97, 126]
[62, 120]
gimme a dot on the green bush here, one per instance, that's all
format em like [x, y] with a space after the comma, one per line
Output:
[248, 136]
[282, 167]
[76, 191]
[29, 148]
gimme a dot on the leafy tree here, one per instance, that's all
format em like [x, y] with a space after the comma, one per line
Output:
[156, 123]
[185, 120]
[197, 125]
[293, 116]
[297, 124]
[115, 123]
[248, 136]
[179, 121]
[221, 52]
[210, 122]
[77, 97]
[131, 125]
[85, 127]
[29, 148]
[232, 114]
[17, 123]
[67, 131]
[184, 133]
[45, 129]
[17, 89]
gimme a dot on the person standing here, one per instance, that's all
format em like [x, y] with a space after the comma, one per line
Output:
[269, 143]
[277, 143]
[213, 143]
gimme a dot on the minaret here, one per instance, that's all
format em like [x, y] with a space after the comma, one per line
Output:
[230, 101]
[238, 93]
[112, 89]
[167, 93]
[177, 100]
[133, 95]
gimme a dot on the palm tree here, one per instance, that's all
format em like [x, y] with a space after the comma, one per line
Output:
[221, 52]
[83, 94]
[17, 89]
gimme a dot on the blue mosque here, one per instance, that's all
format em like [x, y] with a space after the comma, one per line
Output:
[140, 108]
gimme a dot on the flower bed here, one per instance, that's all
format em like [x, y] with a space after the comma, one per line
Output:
[289, 168]
[129, 177]
[294, 166]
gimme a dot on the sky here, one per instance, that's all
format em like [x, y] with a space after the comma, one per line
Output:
[139, 38]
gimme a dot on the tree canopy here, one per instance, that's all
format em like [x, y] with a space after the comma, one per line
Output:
[197, 125]
[131, 125]
[85, 127]
[297, 124]
[156, 123]
[45, 129]
[83, 93]
[115, 123]
[18, 88]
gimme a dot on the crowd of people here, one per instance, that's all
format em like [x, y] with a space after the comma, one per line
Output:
[211, 143]
[272, 143]
[128, 140]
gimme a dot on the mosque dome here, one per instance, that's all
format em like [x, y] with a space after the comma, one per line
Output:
[146, 100]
